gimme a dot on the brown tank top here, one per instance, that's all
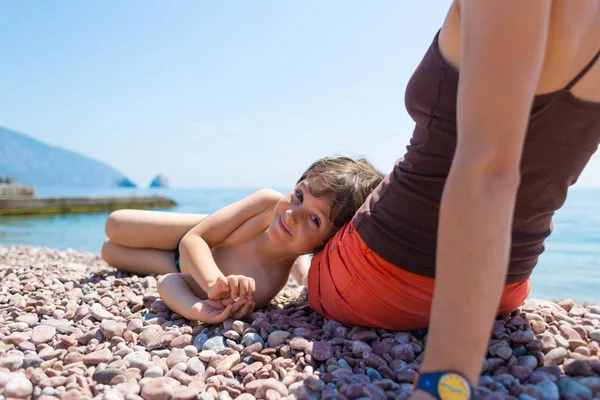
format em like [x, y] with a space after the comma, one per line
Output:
[399, 220]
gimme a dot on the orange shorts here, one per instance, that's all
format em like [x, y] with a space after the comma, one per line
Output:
[349, 283]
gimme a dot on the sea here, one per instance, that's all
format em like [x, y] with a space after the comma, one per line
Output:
[568, 269]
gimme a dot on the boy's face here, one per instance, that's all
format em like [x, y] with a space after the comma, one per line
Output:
[301, 221]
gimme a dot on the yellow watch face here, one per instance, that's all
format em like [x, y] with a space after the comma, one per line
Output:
[453, 387]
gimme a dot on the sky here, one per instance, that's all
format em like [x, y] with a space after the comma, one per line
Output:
[217, 94]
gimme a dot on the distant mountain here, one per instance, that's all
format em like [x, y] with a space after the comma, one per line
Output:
[31, 162]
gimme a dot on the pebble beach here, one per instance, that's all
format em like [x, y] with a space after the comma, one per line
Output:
[72, 327]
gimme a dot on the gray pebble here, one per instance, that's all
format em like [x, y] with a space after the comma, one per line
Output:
[195, 366]
[104, 376]
[191, 351]
[251, 338]
[549, 390]
[571, 386]
[206, 355]
[373, 374]
[48, 391]
[216, 344]
[12, 362]
[32, 362]
[18, 386]
[137, 358]
[161, 352]
[154, 372]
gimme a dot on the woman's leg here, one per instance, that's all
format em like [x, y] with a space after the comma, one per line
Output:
[139, 261]
[149, 229]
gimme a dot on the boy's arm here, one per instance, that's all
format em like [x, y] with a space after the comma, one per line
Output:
[221, 227]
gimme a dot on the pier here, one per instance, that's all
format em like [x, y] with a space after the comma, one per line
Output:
[21, 200]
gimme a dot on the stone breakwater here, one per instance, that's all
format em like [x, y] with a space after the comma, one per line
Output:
[73, 328]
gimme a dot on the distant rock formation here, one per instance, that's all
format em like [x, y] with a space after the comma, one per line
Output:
[160, 181]
[125, 183]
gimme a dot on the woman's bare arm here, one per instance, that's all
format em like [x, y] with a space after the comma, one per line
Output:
[502, 51]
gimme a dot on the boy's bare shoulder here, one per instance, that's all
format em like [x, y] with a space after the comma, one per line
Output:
[269, 195]
[252, 217]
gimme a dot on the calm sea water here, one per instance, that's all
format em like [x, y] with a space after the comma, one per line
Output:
[569, 268]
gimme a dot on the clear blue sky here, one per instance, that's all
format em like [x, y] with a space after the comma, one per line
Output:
[216, 94]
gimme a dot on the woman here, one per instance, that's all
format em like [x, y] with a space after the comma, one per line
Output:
[491, 158]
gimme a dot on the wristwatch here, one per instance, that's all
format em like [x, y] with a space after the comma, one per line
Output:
[446, 385]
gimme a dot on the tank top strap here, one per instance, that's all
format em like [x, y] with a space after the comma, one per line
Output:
[583, 72]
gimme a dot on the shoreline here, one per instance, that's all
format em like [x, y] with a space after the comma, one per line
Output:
[71, 327]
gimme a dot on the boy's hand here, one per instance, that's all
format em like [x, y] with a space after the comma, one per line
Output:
[211, 311]
[214, 311]
[219, 290]
[241, 309]
[236, 287]
[241, 287]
